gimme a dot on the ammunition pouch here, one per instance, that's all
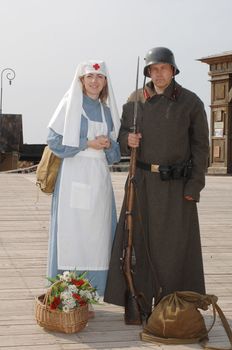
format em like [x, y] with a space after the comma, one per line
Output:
[165, 172]
[169, 172]
[176, 171]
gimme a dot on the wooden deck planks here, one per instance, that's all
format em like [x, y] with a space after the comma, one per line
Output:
[24, 224]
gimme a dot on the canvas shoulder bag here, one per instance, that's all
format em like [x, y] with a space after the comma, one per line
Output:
[47, 171]
[177, 320]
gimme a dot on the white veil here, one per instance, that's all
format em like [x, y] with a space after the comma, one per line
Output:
[66, 119]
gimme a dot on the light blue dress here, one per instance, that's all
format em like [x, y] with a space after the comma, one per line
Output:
[54, 141]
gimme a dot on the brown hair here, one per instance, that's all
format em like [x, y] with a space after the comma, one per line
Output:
[103, 94]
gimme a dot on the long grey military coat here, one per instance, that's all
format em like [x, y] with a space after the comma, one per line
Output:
[166, 231]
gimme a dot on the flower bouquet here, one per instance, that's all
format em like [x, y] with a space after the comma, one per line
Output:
[64, 307]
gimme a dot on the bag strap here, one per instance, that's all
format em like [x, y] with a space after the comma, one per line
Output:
[225, 325]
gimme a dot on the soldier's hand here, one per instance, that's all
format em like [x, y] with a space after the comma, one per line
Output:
[134, 139]
[189, 198]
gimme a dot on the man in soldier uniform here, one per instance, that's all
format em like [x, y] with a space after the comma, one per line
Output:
[172, 154]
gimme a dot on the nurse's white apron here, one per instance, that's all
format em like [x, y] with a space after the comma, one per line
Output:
[84, 236]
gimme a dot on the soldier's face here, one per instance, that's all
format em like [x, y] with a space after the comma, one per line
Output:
[161, 74]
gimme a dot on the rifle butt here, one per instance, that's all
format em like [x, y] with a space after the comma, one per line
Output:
[132, 314]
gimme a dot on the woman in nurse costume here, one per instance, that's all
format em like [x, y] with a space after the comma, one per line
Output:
[83, 132]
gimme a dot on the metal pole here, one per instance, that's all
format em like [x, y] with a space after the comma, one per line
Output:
[10, 76]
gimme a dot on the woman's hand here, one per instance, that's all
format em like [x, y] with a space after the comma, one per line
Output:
[105, 141]
[100, 142]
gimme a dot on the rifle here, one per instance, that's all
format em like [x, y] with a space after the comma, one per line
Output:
[132, 308]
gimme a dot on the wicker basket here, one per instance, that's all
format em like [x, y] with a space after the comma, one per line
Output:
[59, 321]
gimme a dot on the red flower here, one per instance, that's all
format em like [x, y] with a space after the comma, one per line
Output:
[55, 303]
[79, 299]
[96, 66]
[76, 296]
[77, 283]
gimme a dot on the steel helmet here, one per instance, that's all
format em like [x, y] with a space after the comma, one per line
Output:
[159, 55]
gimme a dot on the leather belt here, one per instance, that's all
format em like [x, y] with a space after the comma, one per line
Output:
[154, 168]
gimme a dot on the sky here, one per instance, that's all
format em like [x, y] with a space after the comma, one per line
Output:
[44, 40]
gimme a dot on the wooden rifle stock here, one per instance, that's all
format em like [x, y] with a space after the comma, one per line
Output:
[132, 308]
[133, 300]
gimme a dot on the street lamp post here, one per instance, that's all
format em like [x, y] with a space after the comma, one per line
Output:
[10, 75]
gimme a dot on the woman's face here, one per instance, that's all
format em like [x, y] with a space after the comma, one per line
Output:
[93, 84]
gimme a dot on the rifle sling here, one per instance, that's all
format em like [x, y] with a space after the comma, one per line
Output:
[155, 275]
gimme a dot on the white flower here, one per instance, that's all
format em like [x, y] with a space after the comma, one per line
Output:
[67, 299]
[66, 276]
[70, 303]
[66, 308]
[65, 294]
[96, 296]
[85, 294]
[72, 288]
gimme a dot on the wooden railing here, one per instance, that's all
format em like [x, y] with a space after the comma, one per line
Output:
[123, 165]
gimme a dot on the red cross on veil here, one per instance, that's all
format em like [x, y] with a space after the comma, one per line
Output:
[96, 66]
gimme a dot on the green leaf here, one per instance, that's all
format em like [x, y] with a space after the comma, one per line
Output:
[52, 280]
